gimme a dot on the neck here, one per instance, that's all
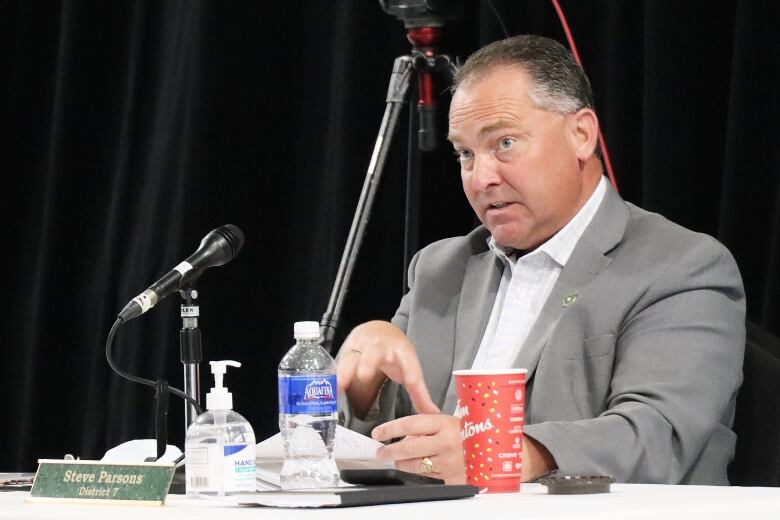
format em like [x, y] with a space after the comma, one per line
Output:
[592, 172]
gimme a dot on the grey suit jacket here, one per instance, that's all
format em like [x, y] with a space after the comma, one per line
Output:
[636, 378]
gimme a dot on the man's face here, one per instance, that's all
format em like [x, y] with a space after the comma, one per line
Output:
[519, 163]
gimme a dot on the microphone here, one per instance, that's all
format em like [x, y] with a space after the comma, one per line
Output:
[218, 247]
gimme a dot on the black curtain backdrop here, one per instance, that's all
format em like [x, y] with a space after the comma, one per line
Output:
[131, 129]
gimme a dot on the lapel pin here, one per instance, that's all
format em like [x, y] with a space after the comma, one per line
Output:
[569, 300]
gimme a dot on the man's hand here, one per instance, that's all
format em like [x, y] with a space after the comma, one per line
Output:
[436, 437]
[374, 351]
[537, 461]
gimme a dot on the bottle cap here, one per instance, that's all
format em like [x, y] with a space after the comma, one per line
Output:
[306, 330]
[219, 398]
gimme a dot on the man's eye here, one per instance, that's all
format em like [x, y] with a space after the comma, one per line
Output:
[505, 143]
[463, 155]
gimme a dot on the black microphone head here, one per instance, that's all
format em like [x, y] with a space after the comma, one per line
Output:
[233, 236]
[219, 247]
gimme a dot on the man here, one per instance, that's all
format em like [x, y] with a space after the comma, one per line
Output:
[631, 327]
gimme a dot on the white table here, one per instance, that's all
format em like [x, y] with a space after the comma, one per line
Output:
[626, 501]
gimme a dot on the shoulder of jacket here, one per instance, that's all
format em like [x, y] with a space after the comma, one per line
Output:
[457, 247]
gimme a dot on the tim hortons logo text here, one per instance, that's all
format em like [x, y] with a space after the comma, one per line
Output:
[318, 390]
[470, 428]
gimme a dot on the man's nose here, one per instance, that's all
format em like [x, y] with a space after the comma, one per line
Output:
[485, 172]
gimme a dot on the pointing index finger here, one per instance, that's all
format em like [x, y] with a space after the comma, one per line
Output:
[345, 372]
[414, 382]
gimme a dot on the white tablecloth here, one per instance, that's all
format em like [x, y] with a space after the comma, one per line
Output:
[626, 501]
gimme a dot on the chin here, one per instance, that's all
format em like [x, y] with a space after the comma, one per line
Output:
[510, 234]
[515, 236]
[505, 240]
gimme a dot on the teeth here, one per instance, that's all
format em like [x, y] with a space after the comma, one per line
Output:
[498, 205]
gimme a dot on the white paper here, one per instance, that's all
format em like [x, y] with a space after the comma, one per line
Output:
[138, 450]
[348, 445]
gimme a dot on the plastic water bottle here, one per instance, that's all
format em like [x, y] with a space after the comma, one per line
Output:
[219, 449]
[308, 412]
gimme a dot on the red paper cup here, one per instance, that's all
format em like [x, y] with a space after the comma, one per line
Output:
[491, 411]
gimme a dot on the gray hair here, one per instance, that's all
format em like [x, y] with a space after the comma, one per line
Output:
[559, 83]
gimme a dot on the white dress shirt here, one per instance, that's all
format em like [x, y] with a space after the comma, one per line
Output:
[525, 285]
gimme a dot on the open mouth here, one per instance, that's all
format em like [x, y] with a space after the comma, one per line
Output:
[498, 205]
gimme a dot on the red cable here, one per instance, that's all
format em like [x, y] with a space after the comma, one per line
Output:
[570, 38]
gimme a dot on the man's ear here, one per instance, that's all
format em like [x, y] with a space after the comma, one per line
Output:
[584, 132]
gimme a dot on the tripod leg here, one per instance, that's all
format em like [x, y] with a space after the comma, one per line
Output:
[397, 93]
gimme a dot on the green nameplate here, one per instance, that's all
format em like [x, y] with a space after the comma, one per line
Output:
[78, 480]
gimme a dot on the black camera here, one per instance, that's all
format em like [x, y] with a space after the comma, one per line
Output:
[423, 13]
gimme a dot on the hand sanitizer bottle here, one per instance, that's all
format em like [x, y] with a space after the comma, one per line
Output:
[219, 448]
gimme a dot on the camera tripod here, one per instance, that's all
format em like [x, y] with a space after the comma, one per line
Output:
[421, 64]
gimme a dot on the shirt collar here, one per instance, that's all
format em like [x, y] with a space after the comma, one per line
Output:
[560, 246]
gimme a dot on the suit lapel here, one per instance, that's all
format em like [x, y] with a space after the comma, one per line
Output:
[476, 302]
[480, 285]
[587, 260]
[584, 264]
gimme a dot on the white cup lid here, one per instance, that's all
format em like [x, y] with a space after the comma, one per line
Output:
[489, 371]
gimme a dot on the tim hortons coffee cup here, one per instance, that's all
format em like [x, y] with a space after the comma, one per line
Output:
[491, 412]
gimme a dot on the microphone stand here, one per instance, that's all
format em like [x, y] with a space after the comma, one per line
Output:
[422, 62]
[191, 349]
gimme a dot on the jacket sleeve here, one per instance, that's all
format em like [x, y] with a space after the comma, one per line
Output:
[676, 372]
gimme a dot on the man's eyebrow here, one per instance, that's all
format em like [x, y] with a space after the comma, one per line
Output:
[499, 124]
